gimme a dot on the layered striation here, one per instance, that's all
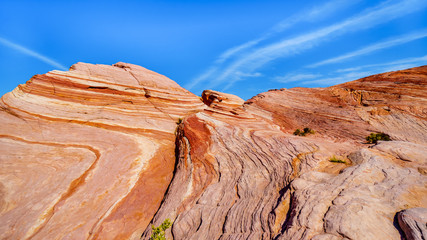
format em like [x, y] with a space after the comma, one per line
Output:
[232, 175]
[100, 152]
[88, 153]
[242, 174]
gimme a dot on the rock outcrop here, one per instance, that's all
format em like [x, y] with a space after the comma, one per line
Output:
[100, 152]
[414, 223]
[88, 153]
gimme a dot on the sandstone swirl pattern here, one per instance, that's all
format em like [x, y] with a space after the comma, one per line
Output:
[241, 174]
[96, 153]
[88, 153]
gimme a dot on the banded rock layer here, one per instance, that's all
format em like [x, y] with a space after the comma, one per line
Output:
[96, 153]
[88, 153]
[243, 175]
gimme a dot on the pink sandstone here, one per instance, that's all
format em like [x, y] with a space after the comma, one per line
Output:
[103, 152]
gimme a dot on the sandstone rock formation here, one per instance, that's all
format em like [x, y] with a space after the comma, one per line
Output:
[100, 152]
[88, 153]
[413, 222]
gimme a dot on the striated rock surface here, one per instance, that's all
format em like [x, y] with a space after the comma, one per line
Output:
[246, 177]
[96, 153]
[359, 203]
[413, 221]
[88, 153]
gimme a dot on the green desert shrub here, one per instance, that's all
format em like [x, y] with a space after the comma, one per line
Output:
[159, 232]
[375, 137]
[334, 159]
[304, 132]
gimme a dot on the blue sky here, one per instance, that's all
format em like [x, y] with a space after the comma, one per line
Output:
[240, 47]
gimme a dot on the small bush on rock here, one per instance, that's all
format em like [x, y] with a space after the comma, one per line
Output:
[336, 160]
[304, 132]
[375, 137]
[159, 232]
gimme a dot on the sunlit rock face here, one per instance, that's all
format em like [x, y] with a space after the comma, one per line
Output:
[242, 174]
[88, 153]
[100, 152]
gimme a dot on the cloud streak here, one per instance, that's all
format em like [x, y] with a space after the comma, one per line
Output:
[311, 15]
[257, 56]
[412, 62]
[350, 74]
[375, 47]
[32, 53]
[295, 77]
[377, 15]
[338, 79]
[314, 14]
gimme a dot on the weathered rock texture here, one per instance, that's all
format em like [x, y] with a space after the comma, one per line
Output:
[414, 223]
[88, 153]
[96, 153]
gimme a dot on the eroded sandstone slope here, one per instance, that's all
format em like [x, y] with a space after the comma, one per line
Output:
[88, 153]
[241, 174]
[99, 152]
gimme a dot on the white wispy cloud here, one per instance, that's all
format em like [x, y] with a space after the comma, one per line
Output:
[350, 74]
[396, 68]
[201, 78]
[328, 81]
[295, 77]
[412, 62]
[311, 15]
[259, 56]
[233, 51]
[375, 47]
[240, 75]
[32, 53]
[370, 18]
